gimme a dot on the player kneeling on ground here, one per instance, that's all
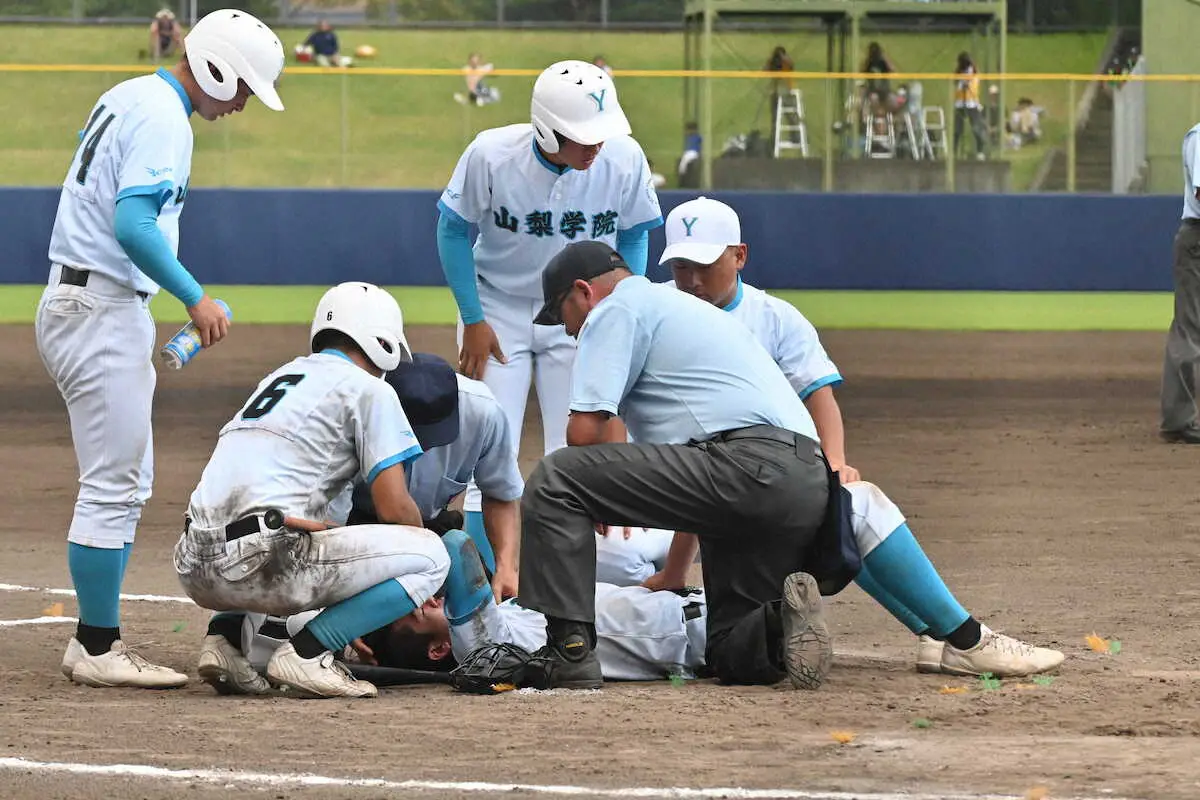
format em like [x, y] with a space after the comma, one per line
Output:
[254, 539]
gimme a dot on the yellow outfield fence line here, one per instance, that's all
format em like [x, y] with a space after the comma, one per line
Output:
[646, 73]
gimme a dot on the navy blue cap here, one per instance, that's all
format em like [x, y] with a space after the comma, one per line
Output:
[428, 392]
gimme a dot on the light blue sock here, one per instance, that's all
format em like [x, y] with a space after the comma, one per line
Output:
[866, 581]
[96, 574]
[467, 587]
[475, 529]
[125, 553]
[901, 568]
[343, 622]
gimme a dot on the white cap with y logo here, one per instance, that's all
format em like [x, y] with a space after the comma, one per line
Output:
[700, 230]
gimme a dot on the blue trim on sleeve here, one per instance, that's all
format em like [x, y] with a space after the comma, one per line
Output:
[407, 455]
[135, 227]
[178, 87]
[453, 216]
[737, 298]
[634, 247]
[648, 225]
[458, 265]
[333, 351]
[829, 380]
[161, 190]
[547, 163]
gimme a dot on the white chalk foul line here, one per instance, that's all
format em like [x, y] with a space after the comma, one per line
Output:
[298, 780]
[149, 598]
[12, 623]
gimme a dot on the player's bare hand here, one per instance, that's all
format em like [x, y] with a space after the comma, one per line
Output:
[504, 582]
[664, 581]
[365, 654]
[210, 319]
[846, 473]
[479, 342]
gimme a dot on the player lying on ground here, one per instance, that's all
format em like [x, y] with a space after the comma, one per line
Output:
[254, 539]
[113, 246]
[706, 255]
[641, 635]
[464, 432]
[574, 173]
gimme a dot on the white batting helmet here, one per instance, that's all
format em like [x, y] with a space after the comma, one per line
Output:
[368, 315]
[578, 100]
[229, 44]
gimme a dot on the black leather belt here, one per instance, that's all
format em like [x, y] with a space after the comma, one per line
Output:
[79, 277]
[769, 432]
[234, 530]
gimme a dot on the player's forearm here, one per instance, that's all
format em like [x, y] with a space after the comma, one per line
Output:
[827, 416]
[136, 229]
[587, 427]
[501, 521]
[393, 504]
[680, 556]
[634, 247]
[458, 264]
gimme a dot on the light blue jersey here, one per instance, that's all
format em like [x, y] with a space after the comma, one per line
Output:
[675, 368]
[136, 141]
[484, 446]
[528, 209]
[1191, 173]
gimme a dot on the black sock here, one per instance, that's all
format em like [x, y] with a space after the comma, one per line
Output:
[229, 626]
[965, 636]
[97, 641]
[307, 646]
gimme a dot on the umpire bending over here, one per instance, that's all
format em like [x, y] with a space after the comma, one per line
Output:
[724, 448]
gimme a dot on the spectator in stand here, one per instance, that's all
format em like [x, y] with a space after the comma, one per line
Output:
[967, 107]
[324, 44]
[166, 35]
[478, 92]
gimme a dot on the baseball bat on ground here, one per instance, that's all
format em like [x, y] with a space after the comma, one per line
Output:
[397, 676]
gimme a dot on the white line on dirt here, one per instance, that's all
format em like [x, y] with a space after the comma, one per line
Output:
[12, 623]
[150, 598]
[227, 777]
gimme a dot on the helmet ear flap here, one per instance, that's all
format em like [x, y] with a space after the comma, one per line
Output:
[545, 137]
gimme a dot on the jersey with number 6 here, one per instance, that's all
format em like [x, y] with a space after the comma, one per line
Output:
[136, 141]
[312, 428]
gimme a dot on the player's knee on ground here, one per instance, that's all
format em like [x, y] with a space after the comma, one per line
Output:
[750, 652]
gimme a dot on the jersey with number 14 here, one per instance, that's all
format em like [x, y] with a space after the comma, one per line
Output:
[310, 430]
[527, 209]
[136, 141]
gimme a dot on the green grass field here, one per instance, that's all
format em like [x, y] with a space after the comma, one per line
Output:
[397, 131]
[996, 311]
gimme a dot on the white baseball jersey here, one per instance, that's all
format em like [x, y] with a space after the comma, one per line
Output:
[787, 335]
[527, 210]
[640, 635]
[311, 428]
[136, 141]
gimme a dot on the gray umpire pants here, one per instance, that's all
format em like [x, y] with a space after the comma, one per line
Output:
[1183, 340]
[755, 497]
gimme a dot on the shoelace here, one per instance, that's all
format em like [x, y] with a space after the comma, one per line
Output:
[140, 662]
[329, 662]
[1008, 644]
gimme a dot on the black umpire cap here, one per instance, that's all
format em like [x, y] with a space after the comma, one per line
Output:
[428, 392]
[580, 261]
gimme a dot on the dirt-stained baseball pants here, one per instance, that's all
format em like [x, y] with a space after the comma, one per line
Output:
[1183, 340]
[755, 497]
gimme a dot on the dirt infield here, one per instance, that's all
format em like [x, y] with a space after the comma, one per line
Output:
[1026, 463]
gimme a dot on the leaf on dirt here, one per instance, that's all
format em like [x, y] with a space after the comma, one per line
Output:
[1114, 646]
[843, 737]
[677, 681]
[1043, 680]
[1025, 686]
[53, 610]
[1098, 643]
[921, 722]
[177, 627]
[987, 683]
[1037, 793]
[953, 690]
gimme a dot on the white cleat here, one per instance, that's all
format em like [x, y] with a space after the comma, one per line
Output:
[74, 653]
[318, 677]
[929, 654]
[225, 669]
[1001, 656]
[121, 666]
[807, 645]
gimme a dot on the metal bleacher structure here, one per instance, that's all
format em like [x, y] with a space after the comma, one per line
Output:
[901, 146]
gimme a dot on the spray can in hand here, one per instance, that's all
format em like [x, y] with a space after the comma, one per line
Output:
[184, 345]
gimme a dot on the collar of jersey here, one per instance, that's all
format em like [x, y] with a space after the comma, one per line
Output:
[547, 163]
[337, 353]
[737, 297]
[178, 87]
